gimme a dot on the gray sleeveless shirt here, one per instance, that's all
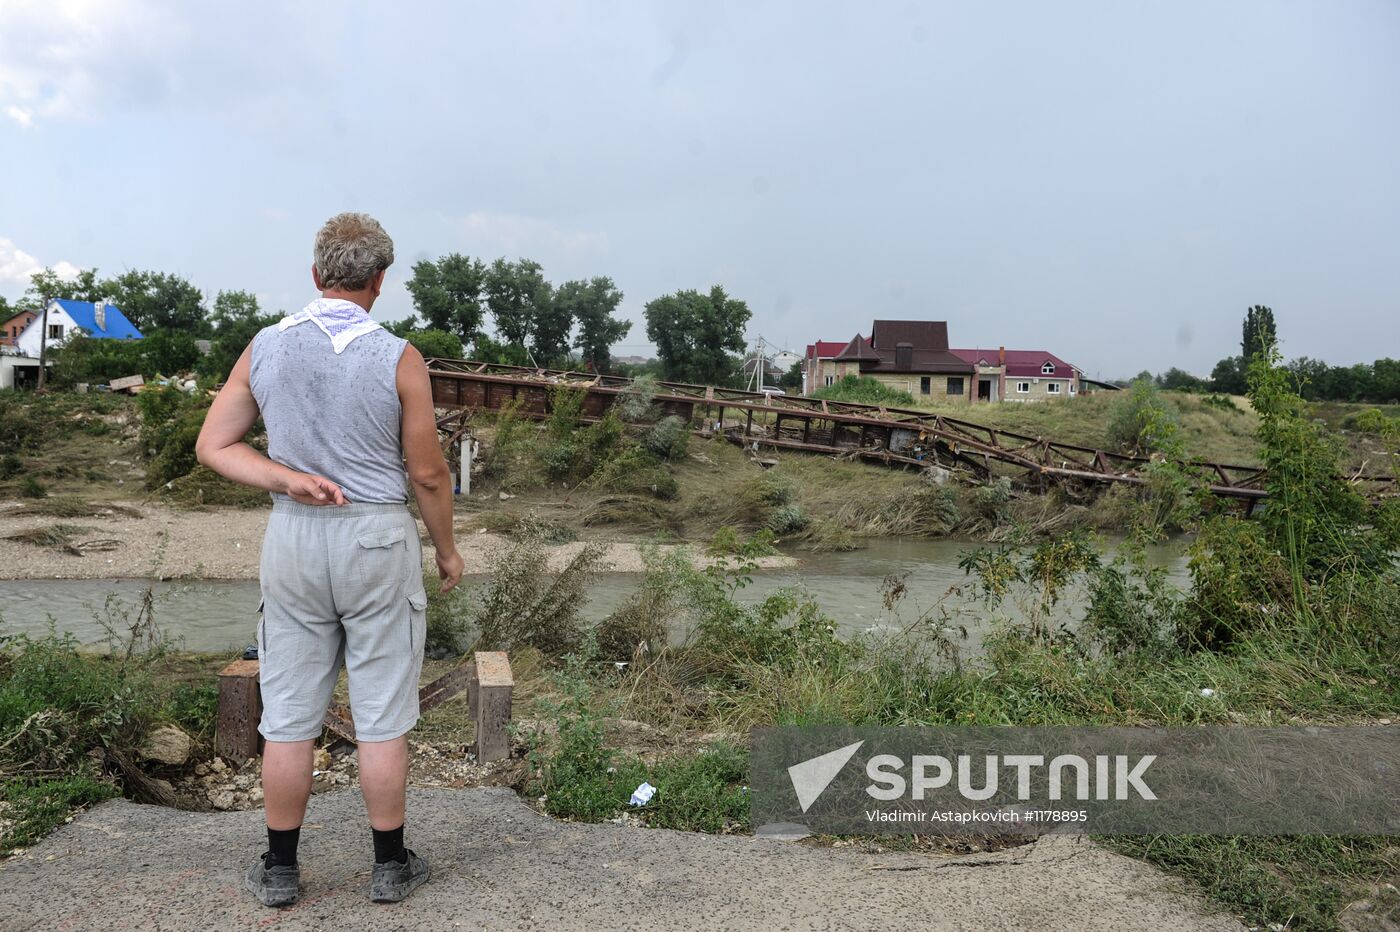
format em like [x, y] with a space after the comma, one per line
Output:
[333, 415]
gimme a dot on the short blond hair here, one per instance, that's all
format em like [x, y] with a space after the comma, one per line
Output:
[351, 249]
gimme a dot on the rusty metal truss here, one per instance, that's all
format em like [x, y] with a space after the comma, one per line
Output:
[896, 436]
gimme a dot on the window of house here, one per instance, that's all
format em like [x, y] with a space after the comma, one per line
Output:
[1052, 387]
[830, 379]
[955, 385]
[1047, 369]
[1023, 388]
[1071, 388]
[925, 385]
[55, 331]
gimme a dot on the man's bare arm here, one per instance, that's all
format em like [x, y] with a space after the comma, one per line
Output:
[427, 470]
[221, 446]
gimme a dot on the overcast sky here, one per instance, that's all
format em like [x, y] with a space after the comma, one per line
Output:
[1114, 182]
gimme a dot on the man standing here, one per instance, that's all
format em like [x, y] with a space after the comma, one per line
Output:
[350, 424]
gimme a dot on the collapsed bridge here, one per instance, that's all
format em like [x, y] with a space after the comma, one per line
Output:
[894, 436]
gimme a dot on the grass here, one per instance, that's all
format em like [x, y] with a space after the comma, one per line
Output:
[1210, 432]
[54, 536]
[1294, 882]
[73, 508]
[29, 810]
[73, 445]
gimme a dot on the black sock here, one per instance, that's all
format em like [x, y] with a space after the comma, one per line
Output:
[282, 846]
[388, 846]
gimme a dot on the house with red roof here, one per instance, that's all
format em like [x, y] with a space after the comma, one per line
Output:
[819, 365]
[1021, 375]
[913, 356]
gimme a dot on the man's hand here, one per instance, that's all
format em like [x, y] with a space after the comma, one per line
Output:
[450, 566]
[313, 490]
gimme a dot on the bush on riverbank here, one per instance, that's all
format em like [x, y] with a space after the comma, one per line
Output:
[72, 722]
[1291, 618]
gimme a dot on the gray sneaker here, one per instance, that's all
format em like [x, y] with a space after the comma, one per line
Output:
[394, 881]
[278, 885]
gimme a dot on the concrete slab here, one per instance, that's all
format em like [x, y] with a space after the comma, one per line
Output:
[499, 865]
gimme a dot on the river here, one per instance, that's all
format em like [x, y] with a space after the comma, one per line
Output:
[222, 615]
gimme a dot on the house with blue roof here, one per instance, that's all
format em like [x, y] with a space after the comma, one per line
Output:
[101, 320]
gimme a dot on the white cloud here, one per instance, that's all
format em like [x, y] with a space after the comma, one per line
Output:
[16, 265]
[515, 235]
[69, 59]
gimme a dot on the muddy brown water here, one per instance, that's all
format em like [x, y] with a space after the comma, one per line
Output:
[222, 615]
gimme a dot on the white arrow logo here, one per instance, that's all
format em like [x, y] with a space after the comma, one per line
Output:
[811, 777]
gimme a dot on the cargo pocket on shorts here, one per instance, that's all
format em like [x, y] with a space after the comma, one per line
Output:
[386, 537]
[380, 558]
[417, 620]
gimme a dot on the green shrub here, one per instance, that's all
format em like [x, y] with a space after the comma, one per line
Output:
[579, 777]
[435, 343]
[30, 487]
[449, 619]
[634, 403]
[523, 604]
[1374, 421]
[787, 519]
[668, 439]
[10, 466]
[1222, 402]
[1141, 420]
[863, 389]
[993, 501]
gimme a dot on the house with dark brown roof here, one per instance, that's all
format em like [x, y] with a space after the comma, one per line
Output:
[908, 356]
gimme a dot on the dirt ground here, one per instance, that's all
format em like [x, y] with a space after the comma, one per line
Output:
[225, 543]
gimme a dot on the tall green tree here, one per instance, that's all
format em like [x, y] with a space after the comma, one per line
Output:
[447, 293]
[593, 303]
[694, 334]
[1228, 376]
[518, 297]
[237, 318]
[46, 284]
[159, 301]
[1259, 332]
[169, 352]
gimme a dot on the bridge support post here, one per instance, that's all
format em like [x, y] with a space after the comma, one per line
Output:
[489, 692]
[240, 710]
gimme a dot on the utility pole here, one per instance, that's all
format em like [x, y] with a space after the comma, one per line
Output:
[43, 346]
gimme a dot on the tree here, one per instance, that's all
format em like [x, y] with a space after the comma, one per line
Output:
[46, 284]
[402, 328]
[1179, 380]
[169, 352]
[438, 343]
[791, 380]
[1228, 376]
[593, 303]
[158, 301]
[237, 319]
[550, 331]
[1259, 332]
[517, 295]
[694, 334]
[231, 307]
[448, 294]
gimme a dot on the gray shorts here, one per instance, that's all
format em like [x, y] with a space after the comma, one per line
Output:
[341, 585]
